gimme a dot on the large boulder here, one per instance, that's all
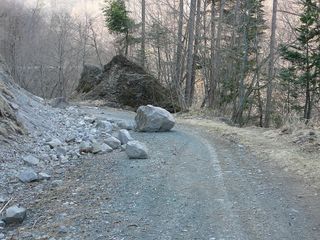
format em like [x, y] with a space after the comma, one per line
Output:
[123, 83]
[90, 77]
[153, 119]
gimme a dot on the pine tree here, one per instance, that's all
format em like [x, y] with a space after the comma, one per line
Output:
[250, 33]
[118, 20]
[304, 54]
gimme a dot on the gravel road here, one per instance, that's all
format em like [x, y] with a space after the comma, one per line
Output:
[194, 186]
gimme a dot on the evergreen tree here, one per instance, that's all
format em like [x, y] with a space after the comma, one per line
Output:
[250, 33]
[304, 54]
[118, 20]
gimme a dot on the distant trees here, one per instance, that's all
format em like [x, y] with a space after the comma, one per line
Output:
[45, 50]
[215, 54]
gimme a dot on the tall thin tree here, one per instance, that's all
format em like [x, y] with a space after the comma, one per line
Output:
[143, 32]
[271, 64]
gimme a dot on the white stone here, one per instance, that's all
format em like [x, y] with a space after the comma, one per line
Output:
[124, 136]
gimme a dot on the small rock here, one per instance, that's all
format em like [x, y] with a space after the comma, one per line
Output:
[113, 142]
[64, 159]
[123, 147]
[56, 183]
[44, 176]
[54, 143]
[28, 175]
[70, 139]
[31, 160]
[3, 199]
[15, 214]
[61, 151]
[124, 136]
[62, 230]
[312, 133]
[136, 150]
[128, 125]
[2, 225]
[100, 148]
[105, 125]
[85, 147]
[89, 119]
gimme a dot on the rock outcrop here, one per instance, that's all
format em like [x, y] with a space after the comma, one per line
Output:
[122, 83]
[153, 119]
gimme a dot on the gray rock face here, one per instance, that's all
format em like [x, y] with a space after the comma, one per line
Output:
[113, 142]
[31, 160]
[124, 136]
[136, 150]
[15, 214]
[153, 119]
[28, 175]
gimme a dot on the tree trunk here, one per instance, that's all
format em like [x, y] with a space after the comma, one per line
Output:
[127, 44]
[177, 75]
[190, 56]
[143, 33]
[211, 93]
[271, 65]
[196, 47]
[238, 112]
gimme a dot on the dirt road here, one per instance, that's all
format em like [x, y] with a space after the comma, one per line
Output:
[194, 186]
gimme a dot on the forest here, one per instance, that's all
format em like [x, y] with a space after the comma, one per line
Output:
[254, 62]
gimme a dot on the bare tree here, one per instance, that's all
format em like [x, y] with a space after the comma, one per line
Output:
[190, 56]
[271, 64]
[143, 33]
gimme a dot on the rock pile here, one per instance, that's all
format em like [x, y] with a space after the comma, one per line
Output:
[123, 83]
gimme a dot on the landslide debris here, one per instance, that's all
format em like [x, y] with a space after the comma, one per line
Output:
[123, 83]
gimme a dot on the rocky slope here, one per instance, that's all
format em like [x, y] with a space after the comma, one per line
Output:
[9, 122]
[39, 145]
